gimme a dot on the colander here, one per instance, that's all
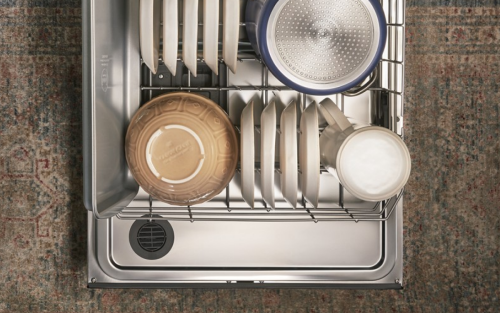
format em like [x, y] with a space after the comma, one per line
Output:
[318, 47]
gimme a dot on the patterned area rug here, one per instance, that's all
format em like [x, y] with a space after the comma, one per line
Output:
[452, 205]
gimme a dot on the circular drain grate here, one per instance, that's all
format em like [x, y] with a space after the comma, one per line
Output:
[151, 237]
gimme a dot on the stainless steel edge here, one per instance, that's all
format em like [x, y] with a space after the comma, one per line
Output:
[87, 74]
[399, 126]
[111, 95]
[397, 271]
[245, 285]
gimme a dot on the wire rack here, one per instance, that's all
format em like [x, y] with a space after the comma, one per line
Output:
[387, 81]
[381, 211]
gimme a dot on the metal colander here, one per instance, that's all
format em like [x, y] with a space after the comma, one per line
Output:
[324, 45]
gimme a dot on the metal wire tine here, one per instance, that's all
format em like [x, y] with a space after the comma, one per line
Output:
[312, 215]
[341, 196]
[190, 214]
[341, 201]
[304, 202]
[347, 212]
[150, 84]
[383, 206]
[391, 61]
[396, 202]
[228, 205]
[150, 208]
[398, 198]
[385, 90]
[266, 84]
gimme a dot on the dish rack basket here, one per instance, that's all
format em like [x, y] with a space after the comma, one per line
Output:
[386, 82]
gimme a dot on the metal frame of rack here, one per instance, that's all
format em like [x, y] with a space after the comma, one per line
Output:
[391, 65]
[381, 211]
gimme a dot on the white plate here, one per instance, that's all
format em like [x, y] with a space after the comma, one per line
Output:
[211, 34]
[170, 34]
[190, 35]
[149, 25]
[267, 152]
[231, 33]
[247, 152]
[288, 153]
[309, 154]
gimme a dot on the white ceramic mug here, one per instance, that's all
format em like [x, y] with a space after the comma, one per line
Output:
[371, 162]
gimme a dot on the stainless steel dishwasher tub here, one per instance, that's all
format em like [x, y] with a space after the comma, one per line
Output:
[345, 243]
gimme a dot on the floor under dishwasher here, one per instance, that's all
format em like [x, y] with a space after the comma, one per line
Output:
[306, 248]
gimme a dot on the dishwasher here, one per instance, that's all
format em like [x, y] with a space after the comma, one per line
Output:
[344, 242]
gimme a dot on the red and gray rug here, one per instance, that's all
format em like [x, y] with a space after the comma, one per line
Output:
[452, 204]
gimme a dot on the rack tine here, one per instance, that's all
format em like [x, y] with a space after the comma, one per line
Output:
[150, 208]
[190, 214]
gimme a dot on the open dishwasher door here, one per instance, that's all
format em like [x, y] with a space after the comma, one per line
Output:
[238, 254]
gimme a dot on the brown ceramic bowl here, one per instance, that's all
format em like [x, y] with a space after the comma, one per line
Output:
[181, 148]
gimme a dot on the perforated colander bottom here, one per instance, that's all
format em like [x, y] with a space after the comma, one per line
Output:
[323, 41]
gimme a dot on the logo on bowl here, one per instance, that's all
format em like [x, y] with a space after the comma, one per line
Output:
[174, 152]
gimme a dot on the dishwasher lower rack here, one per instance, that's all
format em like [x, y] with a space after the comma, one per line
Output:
[232, 92]
[258, 248]
[380, 104]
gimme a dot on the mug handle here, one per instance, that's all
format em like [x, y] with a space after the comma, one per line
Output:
[333, 115]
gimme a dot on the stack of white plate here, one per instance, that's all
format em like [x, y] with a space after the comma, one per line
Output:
[150, 20]
[290, 157]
